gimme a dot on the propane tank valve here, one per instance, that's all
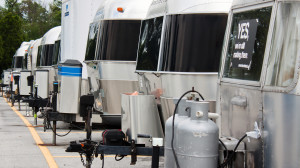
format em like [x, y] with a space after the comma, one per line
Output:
[199, 114]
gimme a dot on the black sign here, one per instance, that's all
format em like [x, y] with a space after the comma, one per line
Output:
[244, 40]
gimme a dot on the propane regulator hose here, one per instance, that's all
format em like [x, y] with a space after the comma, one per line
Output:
[48, 122]
[222, 143]
[234, 150]
[172, 141]
[60, 135]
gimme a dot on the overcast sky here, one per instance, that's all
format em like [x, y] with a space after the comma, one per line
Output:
[2, 3]
[43, 2]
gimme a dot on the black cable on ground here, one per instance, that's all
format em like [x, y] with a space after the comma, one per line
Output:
[52, 127]
[59, 134]
[73, 125]
[234, 150]
[172, 141]
[118, 159]
[225, 149]
[102, 157]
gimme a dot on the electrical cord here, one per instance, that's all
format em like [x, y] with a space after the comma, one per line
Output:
[51, 125]
[225, 149]
[118, 159]
[59, 134]
[172, 141]
[234, 150]
[102, 157]
[71, 125]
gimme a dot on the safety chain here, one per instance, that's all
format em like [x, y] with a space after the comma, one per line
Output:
[92, 157]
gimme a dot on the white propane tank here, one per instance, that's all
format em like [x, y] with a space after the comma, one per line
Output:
[197, 139]
[24, 88]
[6, 78]
[69, 86]
[181, 115]
[14, 84]
[42, 81]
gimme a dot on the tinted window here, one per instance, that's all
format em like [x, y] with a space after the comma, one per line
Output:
[45, 55]
[91, 42]
[38, 59]
[25, 60]
[18, 62]
[149, 44]
[119, 40]
[56, 53]
[193, 43]
[49, 54]
[252, 69]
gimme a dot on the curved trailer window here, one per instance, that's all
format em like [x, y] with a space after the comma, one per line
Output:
[25, 60]
[149, 44]
[18, 62]
[45, 55]
[38, 58]
[193, 42]
[285, 45]
[119, 40]
[92, 41]
[56, 53]
[247, 42]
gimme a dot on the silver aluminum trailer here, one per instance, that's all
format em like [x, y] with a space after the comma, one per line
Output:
[5, 80]
[68, 55]
[18, 58]
[19, 61]
[44, 73]
[116, 54]
[18, 65]
[76, 17]
[56, 56]
[141, 113]
[6, 76]
[26, 71]
[32, 56]
[91, 50]
[191, 50]
[259, 82]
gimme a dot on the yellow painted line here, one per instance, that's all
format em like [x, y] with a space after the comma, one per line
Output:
[67, 132]
[49, 158]
[79, 156]
[84, 156]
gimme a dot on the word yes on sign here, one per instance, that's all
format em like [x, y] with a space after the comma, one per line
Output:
[244, 44]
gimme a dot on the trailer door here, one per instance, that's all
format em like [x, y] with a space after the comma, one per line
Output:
[240, 89]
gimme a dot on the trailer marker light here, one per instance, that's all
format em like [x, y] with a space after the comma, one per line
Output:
[120, 9]
[82, 145]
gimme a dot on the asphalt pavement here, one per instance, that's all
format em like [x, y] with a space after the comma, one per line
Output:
[24, 145]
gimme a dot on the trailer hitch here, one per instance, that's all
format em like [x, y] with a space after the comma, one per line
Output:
[133, 149]
[133, 152]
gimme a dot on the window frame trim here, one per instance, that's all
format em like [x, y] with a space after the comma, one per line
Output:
[159, 71]
[160, 47]
[100, 33]
[267, 47]
[294, 83]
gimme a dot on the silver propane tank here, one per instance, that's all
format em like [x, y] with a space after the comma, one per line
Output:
[182, 114]
[197, 138]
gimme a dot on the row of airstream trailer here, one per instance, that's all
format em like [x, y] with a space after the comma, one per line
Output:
[202, 83]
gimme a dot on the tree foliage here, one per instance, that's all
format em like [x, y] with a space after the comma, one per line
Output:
[35, 19]
[24, 21]
[12, 36]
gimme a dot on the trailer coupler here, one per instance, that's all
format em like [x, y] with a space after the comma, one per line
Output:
[90, 148]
